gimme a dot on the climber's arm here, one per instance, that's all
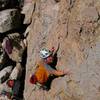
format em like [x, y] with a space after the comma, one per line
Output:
[58, 72]
[53, 71]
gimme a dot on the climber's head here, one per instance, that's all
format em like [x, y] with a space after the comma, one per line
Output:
[46, 55]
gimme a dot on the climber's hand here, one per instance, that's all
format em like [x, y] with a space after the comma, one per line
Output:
[52, 49]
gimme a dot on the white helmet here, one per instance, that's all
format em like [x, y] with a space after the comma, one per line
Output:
[44, 53]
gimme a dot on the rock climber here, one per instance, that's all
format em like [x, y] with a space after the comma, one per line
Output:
[44, 70]
[14, 85]
[14, 81]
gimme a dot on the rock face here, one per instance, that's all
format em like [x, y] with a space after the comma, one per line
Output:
[10, 19]
[75, 24]
[28, 10]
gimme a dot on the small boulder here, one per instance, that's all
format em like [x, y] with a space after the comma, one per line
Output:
[9, 20]
[4, 74]
[16, 73]
[18, 46]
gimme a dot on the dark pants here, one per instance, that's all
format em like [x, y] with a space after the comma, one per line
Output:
[16, 88]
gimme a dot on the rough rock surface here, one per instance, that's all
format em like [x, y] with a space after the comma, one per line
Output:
[9, 19]
[75, 24]
[28, 10]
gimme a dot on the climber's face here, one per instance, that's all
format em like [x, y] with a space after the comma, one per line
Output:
[49, 59]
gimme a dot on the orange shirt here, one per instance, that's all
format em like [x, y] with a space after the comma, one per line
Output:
[41, 73]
